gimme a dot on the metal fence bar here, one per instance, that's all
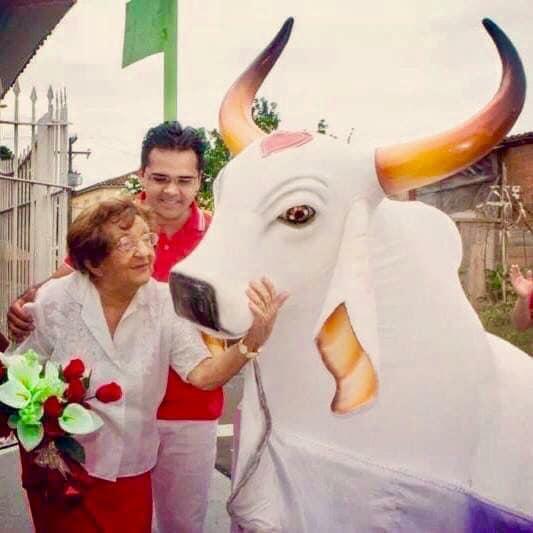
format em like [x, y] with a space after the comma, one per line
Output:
[34, 198]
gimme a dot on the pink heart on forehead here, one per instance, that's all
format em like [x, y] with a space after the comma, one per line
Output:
[281, 140]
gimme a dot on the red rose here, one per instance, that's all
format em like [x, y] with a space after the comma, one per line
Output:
[52, 428]
[53, 407]
[109, 393]
[74, 370]
[75, 391]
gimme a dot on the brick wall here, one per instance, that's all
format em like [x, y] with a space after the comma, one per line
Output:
[518, 161]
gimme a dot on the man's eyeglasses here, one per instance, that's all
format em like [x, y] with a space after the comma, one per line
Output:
[183, 182]
[127, 245]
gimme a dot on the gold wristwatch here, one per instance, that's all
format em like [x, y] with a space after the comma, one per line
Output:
[243, 350]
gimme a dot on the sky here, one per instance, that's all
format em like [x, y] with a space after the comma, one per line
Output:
[392, 71]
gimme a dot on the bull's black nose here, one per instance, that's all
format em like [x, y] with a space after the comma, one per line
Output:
[194, 300]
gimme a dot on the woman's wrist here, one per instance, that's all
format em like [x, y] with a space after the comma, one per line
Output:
[251, 343]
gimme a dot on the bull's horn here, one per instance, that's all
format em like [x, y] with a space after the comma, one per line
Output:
[235, 117]
[414, 164]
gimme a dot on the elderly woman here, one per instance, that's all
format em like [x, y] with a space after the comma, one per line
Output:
[121, 323]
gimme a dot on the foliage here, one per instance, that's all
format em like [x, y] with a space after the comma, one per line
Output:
[496, 315]
[265, 114]
[5, 153]
[216, 156]
[132, 185]
[496, 319]
[495, 280]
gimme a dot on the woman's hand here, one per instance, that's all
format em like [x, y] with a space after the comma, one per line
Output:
[264, 303]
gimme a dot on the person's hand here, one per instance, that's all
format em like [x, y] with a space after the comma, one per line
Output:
[521, 285]
[264, 303]
[19, 321]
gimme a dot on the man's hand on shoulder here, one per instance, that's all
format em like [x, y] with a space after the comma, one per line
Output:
[19, 321]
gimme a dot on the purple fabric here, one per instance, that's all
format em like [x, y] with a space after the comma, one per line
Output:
[485, 518]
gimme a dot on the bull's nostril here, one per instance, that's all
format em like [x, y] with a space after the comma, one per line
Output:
[194, 300]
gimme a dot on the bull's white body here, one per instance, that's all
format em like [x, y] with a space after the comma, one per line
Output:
[447, 444]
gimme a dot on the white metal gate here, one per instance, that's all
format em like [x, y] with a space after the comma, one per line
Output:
[34, 199]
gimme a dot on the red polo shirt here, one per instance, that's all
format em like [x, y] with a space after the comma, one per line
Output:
[182, 401]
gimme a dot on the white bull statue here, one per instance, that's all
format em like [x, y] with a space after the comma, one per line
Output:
[379, 402]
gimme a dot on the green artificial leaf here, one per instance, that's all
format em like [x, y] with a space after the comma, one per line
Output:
[30, 435]
[32, 413]
[71, 447]
[13, 420]
[78, 420]
[14, 394]
[51, 371]
[49, 384]
[32, 358]
[97, 421]
[24, 369]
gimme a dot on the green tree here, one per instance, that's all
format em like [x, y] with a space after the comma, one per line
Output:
[5, 153]
[265, 114]
[216, 155]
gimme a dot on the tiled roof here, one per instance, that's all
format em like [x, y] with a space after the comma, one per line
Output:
[24, 26]
[112, 183]
[516, 140]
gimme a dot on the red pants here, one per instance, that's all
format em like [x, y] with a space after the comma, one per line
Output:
[106, 507]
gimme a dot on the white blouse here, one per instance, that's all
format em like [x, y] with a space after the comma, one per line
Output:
[69, 323]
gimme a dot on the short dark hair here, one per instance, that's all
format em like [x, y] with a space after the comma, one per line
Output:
[87, 239]
[171, 135]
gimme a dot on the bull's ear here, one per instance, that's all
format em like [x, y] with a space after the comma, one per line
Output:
[355, 377]
[347, 330]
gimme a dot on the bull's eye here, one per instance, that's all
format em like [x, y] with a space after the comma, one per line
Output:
[298, 215]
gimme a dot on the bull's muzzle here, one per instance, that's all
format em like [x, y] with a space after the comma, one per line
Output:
[195, 300]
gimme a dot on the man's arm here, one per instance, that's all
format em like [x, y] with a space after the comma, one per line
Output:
[19, 322]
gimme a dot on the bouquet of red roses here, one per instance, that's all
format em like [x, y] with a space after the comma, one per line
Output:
[46, 407]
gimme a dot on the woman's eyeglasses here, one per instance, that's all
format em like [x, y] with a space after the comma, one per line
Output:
[127, 244]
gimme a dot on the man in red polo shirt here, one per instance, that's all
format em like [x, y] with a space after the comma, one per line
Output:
[171, 167]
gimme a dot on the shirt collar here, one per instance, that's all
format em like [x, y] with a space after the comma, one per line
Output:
[195, 222]
[82, 290]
